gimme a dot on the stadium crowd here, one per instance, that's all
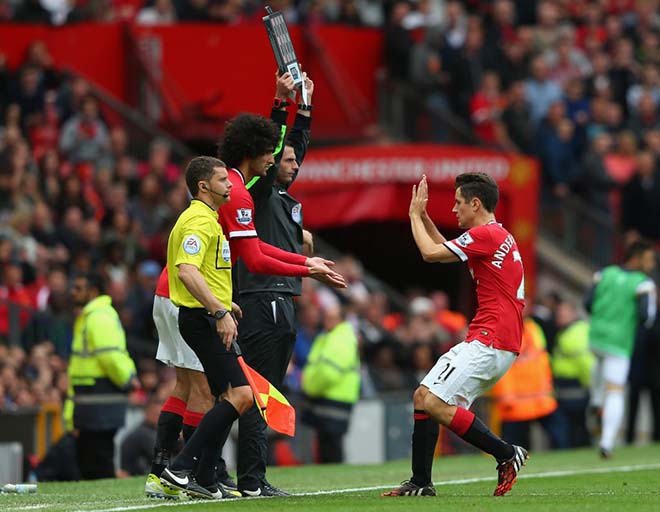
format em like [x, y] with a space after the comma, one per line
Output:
[576, 84]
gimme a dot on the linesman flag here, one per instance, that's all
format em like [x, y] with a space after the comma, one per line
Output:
[276, 410]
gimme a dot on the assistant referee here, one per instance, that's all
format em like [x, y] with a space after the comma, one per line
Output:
[199, 262]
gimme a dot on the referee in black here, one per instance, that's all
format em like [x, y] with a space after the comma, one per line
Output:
[200, 281]
[269, 325]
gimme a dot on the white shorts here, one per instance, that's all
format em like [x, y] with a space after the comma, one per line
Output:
[609, 369]
[466, 372]
[172, 349]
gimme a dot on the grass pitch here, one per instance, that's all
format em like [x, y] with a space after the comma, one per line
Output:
[569, 480]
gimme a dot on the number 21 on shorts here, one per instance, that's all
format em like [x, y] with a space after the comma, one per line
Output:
[445, 373]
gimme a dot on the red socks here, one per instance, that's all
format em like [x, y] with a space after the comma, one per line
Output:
[461, 422]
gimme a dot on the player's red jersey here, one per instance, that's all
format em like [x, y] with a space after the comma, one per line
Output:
[163, 287]
[496, 267]
[237, 216]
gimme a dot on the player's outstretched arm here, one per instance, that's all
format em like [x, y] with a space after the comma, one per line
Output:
[430, 244]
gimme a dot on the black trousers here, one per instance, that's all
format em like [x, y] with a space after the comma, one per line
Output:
[267, 335]
[95, 452]
[331, 446]
[634, 393]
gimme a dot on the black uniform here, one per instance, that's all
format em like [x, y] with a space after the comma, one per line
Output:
[268, 329]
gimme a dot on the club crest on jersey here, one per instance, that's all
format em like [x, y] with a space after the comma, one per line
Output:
[244, 216]
[465, 239]
[192, 245]
[296, 213]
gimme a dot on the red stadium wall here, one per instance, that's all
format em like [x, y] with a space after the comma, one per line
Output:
[97, 51]
[351, 184]
[234, 65]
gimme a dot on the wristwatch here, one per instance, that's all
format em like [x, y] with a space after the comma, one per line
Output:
[220, 314]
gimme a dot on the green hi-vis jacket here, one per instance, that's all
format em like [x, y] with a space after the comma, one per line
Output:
[100, 369]
[332, 371]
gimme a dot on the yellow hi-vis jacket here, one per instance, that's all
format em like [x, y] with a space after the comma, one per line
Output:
[333, 366]
[571, 357]
[100, 369]
[331, 379]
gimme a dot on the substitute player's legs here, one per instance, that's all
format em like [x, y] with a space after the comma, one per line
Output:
[200, 400]
[172, 351]
[170, 421]
[615, 374]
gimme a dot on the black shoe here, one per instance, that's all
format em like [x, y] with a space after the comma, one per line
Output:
[407, 488]
[220, 492]
[184, 481]
[227, 482]
[265, 489]
[275, 491]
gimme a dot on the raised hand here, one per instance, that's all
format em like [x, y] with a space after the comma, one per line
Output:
[283, 85]
[309, 86]
[420, 198]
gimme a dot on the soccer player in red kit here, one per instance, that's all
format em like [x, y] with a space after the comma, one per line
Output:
[248, 145]
[493, 339]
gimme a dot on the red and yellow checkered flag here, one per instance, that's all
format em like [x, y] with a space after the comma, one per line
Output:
[276, 410]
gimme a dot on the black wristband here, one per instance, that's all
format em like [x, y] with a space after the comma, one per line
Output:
[280, 103]
[302, 106]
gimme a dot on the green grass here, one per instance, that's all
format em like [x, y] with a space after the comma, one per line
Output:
[575, 480]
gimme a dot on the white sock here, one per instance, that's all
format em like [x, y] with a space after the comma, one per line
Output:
[612, 418]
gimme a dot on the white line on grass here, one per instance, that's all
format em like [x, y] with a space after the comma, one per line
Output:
[30, 507]
[547, 474]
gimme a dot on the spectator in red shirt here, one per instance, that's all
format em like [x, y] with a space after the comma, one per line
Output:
[486, 109]
[13, 294]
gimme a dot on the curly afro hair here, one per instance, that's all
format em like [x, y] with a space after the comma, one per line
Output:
[247, 136]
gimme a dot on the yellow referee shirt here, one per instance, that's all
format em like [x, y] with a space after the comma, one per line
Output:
[197, 239]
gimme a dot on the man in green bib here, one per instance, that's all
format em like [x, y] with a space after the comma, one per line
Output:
[622, 298]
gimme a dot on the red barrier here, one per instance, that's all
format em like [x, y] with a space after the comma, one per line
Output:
[345, 185]
[97, 51]
[236, 65]
[231, 64]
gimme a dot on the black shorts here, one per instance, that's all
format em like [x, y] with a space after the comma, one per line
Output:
[221, 367]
